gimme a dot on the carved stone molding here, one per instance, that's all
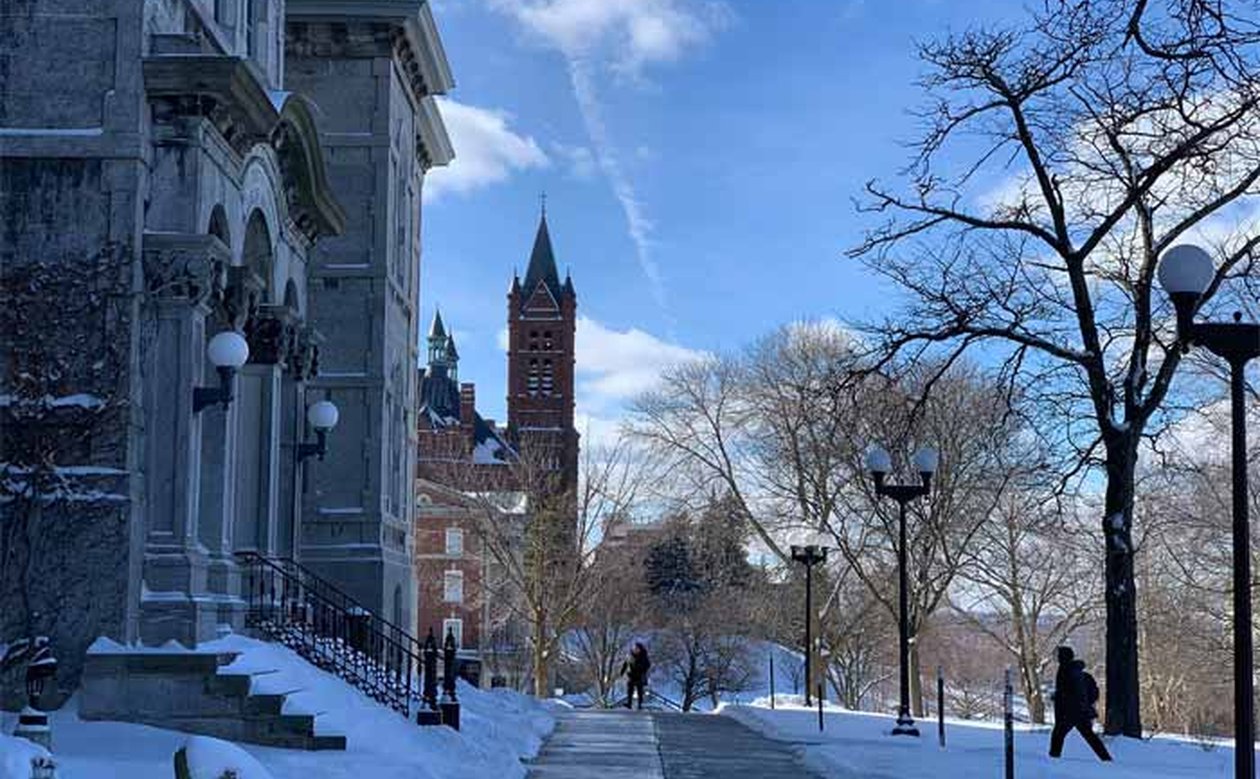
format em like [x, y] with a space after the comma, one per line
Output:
[185, 267]
[271, 333]
[242, 297]
[303, 357]
[222, 89]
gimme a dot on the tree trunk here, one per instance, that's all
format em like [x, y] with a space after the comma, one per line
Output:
[540, 656]
[1035, 697]
[1123, 714]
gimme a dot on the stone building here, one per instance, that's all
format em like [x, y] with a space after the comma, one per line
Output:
[171, 170]
[372, 67]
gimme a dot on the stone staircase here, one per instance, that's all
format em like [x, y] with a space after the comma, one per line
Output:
[195, 692]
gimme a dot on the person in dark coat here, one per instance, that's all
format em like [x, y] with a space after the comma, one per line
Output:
[635, 670]
[1075, 693]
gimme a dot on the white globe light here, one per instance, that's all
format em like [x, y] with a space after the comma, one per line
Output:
[926, 460]
[323, 415]
[228, 349]
[1186, 268]
[878, 460]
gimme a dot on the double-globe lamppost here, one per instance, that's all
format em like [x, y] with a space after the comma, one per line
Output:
[879, 463]
[1185, 273]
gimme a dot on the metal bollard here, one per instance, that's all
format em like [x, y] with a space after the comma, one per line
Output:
[1008, 720]
[820, 707]
[428, 714]
[940, 705]
[772, 681]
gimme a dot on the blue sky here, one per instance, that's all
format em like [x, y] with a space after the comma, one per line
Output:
[700, 161]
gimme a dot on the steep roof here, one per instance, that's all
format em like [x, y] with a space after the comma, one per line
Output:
[437, 330]
[542, 264]
[439, 397]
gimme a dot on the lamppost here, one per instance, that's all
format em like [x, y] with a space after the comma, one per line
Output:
[879, 463]
[322, 416]
[227, 351]
[809, 556]
[1185, 273]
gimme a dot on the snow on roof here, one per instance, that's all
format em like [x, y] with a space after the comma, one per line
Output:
[507, 501]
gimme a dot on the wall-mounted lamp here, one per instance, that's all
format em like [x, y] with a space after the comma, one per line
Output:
[227, 351]
[321, 416]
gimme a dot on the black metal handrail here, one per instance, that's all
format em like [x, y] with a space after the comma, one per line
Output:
[332, 630]
[332, 592]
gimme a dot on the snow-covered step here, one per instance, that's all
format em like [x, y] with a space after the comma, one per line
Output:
[210, 693]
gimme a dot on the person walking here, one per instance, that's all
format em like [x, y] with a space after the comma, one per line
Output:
[1075, 693]
[635, 669]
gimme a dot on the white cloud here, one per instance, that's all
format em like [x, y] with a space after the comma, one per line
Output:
[628, 33]
[613, 366]
[487, 150]
[579, 159]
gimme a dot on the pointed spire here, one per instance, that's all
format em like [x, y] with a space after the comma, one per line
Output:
[437, 340]
[451, 354]
[542, 262]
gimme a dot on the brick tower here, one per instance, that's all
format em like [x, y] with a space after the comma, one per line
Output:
[542, 322]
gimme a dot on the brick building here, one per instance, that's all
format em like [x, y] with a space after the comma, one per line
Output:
[463, 456]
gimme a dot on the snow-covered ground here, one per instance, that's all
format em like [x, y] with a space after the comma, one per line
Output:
[858, 744]
[498, 729]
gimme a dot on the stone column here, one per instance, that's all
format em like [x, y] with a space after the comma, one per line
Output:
[183, 273]
[271, 333]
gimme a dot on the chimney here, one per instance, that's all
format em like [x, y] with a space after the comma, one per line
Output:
[467, 404]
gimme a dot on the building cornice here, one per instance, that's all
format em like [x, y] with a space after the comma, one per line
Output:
[417, 43]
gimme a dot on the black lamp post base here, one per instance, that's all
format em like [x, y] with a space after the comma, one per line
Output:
[905, 727]
[428, 718]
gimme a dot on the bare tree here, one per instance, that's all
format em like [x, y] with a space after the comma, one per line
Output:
[1029, 584]
[1114, 128]
[965, 415]
[859, 635]
[609, 619]
[541, 536]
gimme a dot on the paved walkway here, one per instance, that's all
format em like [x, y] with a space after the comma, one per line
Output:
[653, 745]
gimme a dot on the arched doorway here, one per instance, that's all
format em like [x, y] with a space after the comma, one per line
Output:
[256, 387]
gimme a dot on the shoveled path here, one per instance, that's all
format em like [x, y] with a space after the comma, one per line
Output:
[654, 745]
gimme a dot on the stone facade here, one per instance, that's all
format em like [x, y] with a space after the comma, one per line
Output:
[160, 170]
[373, 68]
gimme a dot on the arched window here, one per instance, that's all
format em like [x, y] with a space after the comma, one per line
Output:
[219, 226]
[547, 342]
[258, 255]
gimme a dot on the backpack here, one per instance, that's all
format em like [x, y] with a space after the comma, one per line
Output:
[1091, 688]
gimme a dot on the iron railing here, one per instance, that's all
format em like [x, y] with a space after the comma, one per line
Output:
[327, 627]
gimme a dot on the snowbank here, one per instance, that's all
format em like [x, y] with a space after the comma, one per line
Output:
[499, 728]
[210, 758]
[15, 757]
[859, 744]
